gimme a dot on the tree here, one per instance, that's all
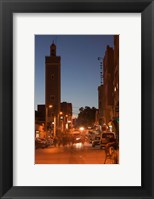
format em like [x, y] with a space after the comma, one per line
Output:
[86, 116]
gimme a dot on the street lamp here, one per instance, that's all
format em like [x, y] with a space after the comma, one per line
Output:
[61, 121]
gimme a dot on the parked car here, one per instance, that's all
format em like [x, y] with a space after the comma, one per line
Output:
[40, 143]
[96, 141]
[107, 137]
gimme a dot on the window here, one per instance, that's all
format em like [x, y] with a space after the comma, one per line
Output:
[53, 52]
[52, 76]
[52, 98]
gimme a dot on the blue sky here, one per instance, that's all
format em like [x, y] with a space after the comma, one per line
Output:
[80, 68]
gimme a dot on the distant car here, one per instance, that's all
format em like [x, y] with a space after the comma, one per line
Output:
[77, 140]
[96, 141]
[91, 136]
[107, 137]
[40, 143]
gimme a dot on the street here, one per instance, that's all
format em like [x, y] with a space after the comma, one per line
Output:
[77, 153]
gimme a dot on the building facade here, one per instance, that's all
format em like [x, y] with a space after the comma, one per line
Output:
[100, 104]
[116, 76]
[108, 93]
[66, 116]
[108, 90]
[52, 86]
[40, 113]
[116, 86]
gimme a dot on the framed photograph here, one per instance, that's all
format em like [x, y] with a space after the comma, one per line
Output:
[70, 125]
[76, 99]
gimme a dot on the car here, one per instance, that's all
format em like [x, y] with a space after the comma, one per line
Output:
[40, 143]
[107, 137]
[77, 140]
[96, 141]
[91, 136]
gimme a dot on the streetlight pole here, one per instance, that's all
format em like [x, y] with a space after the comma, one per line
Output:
[46, 118]
[61, 121]
[54, 130]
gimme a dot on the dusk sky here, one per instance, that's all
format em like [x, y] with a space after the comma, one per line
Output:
[80, 68]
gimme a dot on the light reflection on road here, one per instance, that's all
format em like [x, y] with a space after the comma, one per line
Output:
[77, 153]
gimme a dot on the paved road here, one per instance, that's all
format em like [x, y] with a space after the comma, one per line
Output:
[76, 154]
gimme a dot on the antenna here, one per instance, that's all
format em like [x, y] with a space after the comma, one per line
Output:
[100, 59]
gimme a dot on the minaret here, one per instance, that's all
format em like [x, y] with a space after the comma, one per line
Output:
[52, 84]
[53, 49]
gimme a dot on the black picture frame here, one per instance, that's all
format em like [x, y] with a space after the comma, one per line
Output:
[7, 8]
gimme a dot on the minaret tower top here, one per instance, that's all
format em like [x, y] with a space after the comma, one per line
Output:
[53, 49]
